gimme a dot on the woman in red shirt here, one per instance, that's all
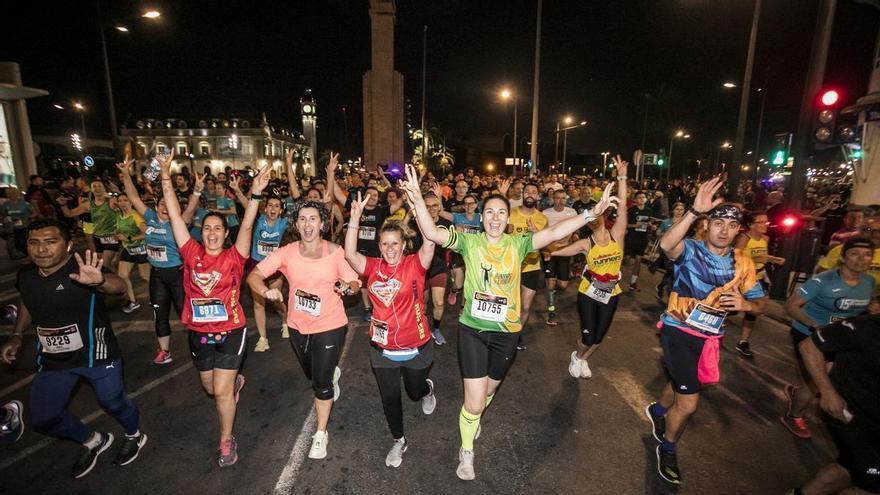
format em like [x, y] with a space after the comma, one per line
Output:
[400, 334]
[212, 310]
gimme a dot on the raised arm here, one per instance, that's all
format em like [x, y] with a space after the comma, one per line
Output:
[243, 241]
[291, 175]
[130, 190]
[565, 228]
[235, 185]
[193, 204]
[672, 241]
[426, 224]
[578, 247]
[331, 180]
[354, 258]
[618, 230]
[178, 226]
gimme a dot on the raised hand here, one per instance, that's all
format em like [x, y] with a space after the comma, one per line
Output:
[437, 190]
[261, 180]
[357, 207]
[334, 163]
[125, 166]
[165, 162]
[200, 182]
[235, 183]
[89, 270]
[505, 186]
[411, 184]
[607, 201]
[620, 164]
[703, 202]
[288, 159]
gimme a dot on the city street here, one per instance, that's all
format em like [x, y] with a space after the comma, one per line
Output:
[544, 433]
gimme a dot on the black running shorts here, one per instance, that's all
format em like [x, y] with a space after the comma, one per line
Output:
[224, 351]
[482, 354]
[681, 356]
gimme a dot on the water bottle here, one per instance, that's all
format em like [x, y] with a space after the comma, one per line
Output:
[153, 172]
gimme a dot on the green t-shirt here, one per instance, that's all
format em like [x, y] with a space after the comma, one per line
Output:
[492, 279]
[104, 219]
[127, 225]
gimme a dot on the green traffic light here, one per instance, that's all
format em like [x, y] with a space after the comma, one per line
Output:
[857, 153]
[779, 158]
[660, 162]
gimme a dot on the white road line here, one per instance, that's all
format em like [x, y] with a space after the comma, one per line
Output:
[303, 440]
[629, 389]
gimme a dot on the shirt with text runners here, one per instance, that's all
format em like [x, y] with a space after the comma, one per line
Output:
[212, 289]
[313, 306]
[492, 279]
[398, 308]
[266, 237]
[520, 226]
[73, 330]
[701, 276]
[830, 299]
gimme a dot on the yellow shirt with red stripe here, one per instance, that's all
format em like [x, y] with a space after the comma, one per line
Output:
[520, 224]
[603, 260]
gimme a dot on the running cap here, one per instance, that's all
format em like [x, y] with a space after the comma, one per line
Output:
[857, 242]
[726, 211]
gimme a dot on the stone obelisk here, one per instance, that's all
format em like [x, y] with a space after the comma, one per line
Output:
[383, 93]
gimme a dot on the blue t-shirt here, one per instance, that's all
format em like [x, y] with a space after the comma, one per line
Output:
[830, 299]
[224, 203]
[195, 229]
[267, 237]
[474, 226]
[161, 247]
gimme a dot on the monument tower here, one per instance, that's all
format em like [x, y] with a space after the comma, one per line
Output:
[307, 108]
[383, 93]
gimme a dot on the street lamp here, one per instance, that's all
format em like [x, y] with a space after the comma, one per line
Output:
[151, 14]
[604, 162]
[729, 85]
[681, 134]
[724, 146]
[568, 119]
[506, 94]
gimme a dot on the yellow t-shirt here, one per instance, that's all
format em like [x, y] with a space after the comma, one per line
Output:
[756, 247]
[834, 259]
[520, 224]
[603, 260]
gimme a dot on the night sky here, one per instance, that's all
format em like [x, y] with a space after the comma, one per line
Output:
[599, 59]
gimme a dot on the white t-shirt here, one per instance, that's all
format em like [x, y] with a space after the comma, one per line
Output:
[554, 217]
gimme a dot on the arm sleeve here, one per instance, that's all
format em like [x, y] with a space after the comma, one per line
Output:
[273, 262]
[810, 289]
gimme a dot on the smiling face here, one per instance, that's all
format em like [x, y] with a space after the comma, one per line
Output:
[309, 224]
[123, 203]
[47, 247]
[495, 216]
[432, 203]
[470, 205]
[273, 208]
[372, 197]
[391, 245]
[213, 233]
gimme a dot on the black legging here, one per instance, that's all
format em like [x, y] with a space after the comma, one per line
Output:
[166, 288]
[595, 318]
[318, 354]
[388, 380]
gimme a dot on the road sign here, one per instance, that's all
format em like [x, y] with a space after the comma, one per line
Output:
[513, 161]
[649, 159]
[88, 161]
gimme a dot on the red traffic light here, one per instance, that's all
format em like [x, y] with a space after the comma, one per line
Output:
[830, 97]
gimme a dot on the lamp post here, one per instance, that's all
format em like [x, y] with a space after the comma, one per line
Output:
[681, 134]
[724, 146]
[567, 120]
[81, 110]
[506, 94]
[114, 131]
[604, 162]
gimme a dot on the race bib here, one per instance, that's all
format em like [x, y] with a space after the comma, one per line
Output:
[108, 240]
[470, 229]
[157, 253]
[367, 233]
[208, 310]
[597, 294]
[642, 225]
[706, 318]
[307, 303]
[60, 340]
[136, 250]
[379, 332]
[489, 307]
[266, 248]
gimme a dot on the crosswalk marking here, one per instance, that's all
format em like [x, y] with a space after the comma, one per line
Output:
[629, 389]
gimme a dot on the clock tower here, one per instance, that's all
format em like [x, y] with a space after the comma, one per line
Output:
[307, 108]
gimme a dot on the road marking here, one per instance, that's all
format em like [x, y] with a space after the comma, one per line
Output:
[745, 405]
[303, 442]
[629, 389]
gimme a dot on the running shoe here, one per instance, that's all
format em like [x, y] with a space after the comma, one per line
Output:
[585, 369]
[227, 454]
[429, 402]
[133, 305]
[520, 345]
[439, 339]
[11, 422]
[131, 447]
[262, 345]
[667, 465]
[574, 365]
[465, 469]
[452, 297]
[744, 348]
[551, 319]
[239, 384]
[337, 374]
[162, 357]
[798, 426]
[368, 314]
[395, 455]
[658, 423]
[89, 457]
[285, 332]
[319, 445]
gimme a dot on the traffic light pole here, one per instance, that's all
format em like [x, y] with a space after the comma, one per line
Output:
[789, 246]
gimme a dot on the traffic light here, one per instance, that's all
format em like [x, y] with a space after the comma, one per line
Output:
[661, 161]
[781, 149]
[825, 113]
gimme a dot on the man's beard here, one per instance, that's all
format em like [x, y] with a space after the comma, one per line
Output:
[529, 202]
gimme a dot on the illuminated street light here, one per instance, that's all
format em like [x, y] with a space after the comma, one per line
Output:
[681, 133]
[122, 29]
[729, 85]
[568, 120]
[726, 145]
[507, 94]
[79, 106]
[59, 107]
[583, 122]
[490, 166]
[151, 14]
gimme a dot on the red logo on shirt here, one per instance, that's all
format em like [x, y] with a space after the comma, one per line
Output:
[385, 291]
[206, 281]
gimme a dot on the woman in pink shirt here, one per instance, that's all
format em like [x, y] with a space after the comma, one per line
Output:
[318, 276]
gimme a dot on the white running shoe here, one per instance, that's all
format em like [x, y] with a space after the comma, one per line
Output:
[585, 369]
[262, 345]
[337, 374]
[395, 455]
[285, 333]
[465, 469]
[319, 445]
[429, 402]
[133, 305]
[574, 366]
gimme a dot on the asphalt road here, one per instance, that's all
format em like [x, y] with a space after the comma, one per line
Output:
[544, 433]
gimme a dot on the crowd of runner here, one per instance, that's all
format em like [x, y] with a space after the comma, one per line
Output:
[408, 240]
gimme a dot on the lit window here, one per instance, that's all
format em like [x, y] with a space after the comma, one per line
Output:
[182, 149]
[204, 148]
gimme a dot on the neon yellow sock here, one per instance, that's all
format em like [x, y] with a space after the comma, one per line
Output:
[489, 399]
[467, 425]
